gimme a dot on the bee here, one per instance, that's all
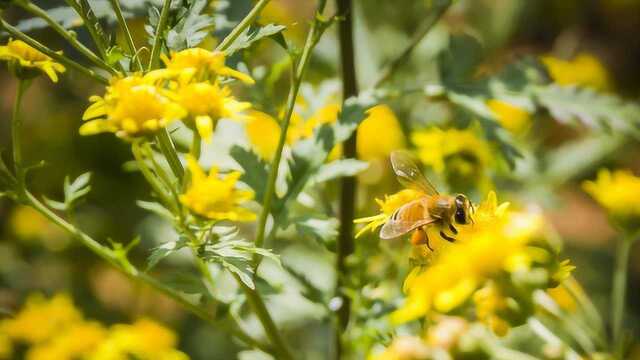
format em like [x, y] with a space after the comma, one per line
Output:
[431, 209]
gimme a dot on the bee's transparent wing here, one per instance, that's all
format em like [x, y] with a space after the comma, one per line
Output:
[409, 174]
[407, 218]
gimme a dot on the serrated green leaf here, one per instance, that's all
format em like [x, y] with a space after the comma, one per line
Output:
[156, 208]
[191, 28]
[252, 35]
[593, 109]
[339, 168]
[163, 251]
[325, 230]
[255, 172]
[244, 270]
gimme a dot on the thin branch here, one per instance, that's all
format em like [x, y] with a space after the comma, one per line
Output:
[157, 42]
[127, 34]
[84, 10]
[52, 54]
[246, 22]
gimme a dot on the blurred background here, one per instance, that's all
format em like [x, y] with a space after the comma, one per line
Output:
[37, 257]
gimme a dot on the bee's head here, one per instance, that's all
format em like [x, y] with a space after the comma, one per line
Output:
[463, 211]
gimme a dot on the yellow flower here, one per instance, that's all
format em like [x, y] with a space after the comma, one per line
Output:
[461, 155]
[263, 132]
[497, 243]
[79, 340]
[6, 348]
[405, 348]
[379, 134]
[214, 197]
[132, 106]
[583, 70]
[619, 193]
[387, 207]
[207, 103]
[145, 340]
[489, 303]
[201, 64]
[26, 57]
[29, 325]
[511, 117]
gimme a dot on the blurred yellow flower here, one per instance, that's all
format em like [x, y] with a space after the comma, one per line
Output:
[30, 326]
[497, 243]
[379, 134]
[263, 132]
[17, 52]
[584, 70]
[619, 193]
[405, 348]
[216, 197]
[77, 341]
[132, 106]
[489, 303]
[511, 117]
[201, 65]
[206, 103]
[6, 348]
[145, 340]
[387, 207]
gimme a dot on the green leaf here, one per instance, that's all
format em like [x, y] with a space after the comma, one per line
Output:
[325, 230]
[244, 270]
[252, 35]
[163, 251]
[339, 168]
[187, 283]
[255, 169]
[595, 110]
[191, 28]
[156, 208]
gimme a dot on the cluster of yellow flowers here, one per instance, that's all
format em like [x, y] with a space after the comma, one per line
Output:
[22, 57]
[54, 329]
[583, 70]
[619, 193]
[188, 89]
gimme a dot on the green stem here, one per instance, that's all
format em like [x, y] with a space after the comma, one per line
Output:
[169, 152]
[246, 22]
[157, 42]
[52, 54]
[16, 130]
[127, 34]
[84, 10]
[345, 245]
[153, 181]
[298, 74]
[618, 294]
[39, 12]
[270, 328]
[439, 8]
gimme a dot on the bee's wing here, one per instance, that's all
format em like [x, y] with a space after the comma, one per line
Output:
[409, 174]
[407, 218]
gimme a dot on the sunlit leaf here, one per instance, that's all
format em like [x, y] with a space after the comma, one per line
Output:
[252, 35]
[255, 169]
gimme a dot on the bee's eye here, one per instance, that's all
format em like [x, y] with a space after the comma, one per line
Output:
[460, 217]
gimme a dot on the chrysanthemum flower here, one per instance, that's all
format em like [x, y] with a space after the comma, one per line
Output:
[216, 197]
[387, 207]
[497, 249]
[19, 54]
[206, 103]
[582, 70]
[511, 117]
[461, 155]
[132, 106]
[379, 134]
[619, 193]
[201, 65]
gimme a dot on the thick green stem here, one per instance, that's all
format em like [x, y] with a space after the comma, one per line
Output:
[157, 42]
[39, 12]
[270, 328]
[619, 291]
[169, 152]
[345, 245]
[246, 22]
[127, 34]
[16, 130]
[52, 54]
[439, 8]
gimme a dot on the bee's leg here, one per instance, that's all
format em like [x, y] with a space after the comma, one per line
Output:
[453, 229]
[446, 237]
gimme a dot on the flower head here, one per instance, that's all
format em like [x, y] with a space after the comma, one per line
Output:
[216, 197]
[511, 117]
[201, 65]
[370, 144]
[495, 254]
[23, 56]
[461, 155]
[582, 70]
[619, 193]
[132, 106]
[206, 103]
